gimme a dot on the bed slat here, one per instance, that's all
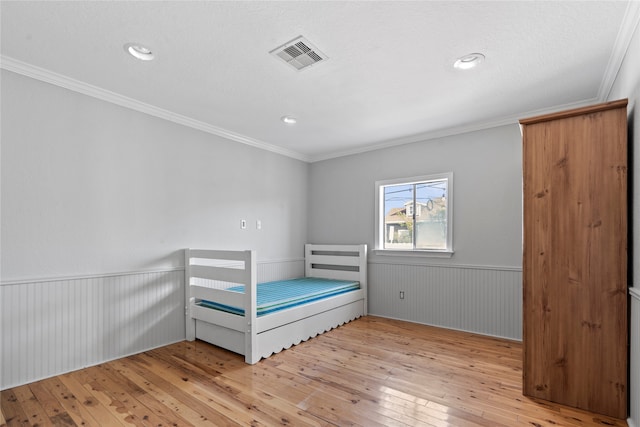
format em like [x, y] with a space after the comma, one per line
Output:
[222, 274]
[221, 296]
[217, 254]
[334, 274]
[334, 248]
[335, 260]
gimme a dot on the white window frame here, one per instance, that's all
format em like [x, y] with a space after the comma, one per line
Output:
[379, 214]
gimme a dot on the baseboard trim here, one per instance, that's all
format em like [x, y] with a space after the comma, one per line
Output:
[93, 364]
[447, 327]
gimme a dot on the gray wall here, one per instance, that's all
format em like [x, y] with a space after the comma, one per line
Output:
[89, 187]
[97, 202]
[487, 233]
[487, 176]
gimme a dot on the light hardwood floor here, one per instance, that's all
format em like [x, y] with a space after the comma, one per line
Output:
[370, 372]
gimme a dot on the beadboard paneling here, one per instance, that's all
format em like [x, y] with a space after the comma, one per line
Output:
[634, 359]
[51, 327]
[268, 271]
[486, 300]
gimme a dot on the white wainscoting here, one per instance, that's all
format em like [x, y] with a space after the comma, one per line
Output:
[634, 359]
[486, 300]
[268, 271]
[50, 327]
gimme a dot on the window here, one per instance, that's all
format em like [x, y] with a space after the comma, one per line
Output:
[414, 215]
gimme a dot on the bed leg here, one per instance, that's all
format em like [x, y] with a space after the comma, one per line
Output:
[190, 323]
[251, 354]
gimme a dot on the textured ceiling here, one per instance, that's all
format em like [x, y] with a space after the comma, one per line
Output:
[389, 77]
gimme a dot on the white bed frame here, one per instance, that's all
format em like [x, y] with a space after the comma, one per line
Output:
[258, 337]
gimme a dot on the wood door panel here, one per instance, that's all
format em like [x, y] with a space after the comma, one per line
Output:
[574, 260]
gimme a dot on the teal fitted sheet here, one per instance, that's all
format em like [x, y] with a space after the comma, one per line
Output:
[283, 294]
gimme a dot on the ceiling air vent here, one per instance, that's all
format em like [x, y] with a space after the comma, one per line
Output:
[299, 53]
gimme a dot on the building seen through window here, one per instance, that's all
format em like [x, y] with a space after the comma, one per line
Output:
[415, 215]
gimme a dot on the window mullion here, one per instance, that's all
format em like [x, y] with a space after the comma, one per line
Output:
[413, 217]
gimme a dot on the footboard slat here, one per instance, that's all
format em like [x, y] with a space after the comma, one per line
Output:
[222, 274]
[235, 299]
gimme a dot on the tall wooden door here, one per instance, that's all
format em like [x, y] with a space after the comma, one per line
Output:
[575, 258]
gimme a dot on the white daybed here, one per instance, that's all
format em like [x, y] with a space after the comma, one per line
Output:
[210, 274]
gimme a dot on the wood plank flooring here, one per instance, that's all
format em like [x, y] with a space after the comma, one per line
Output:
[370, 372]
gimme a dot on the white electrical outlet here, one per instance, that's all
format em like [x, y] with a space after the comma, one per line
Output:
[401, 294]
[243, 224]
[258, 225]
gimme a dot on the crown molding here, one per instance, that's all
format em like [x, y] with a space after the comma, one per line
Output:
[457, 130]
[630, 22]
[47, 76]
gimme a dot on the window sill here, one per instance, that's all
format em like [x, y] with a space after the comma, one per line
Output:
[424, 254]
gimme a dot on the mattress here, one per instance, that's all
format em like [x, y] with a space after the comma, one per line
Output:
[283, 294]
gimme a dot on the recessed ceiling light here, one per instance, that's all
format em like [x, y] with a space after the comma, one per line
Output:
[139, 51]
[289, 120]
[469, 61]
